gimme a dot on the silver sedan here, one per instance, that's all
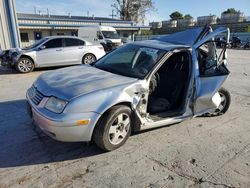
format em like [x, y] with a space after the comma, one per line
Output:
[139, 86]
[52, 51]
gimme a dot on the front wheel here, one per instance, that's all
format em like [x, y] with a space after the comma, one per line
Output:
[113, 128]
[24, 65]
[88, 59]
[225, 102]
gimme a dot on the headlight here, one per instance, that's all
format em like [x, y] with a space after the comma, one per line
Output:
[56, 105]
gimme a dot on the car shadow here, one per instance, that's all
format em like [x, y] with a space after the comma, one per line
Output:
[23, 143]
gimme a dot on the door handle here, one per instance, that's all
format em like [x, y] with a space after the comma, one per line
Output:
[80, 47]
[58, 50]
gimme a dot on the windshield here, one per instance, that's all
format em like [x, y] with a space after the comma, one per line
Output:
[131, 60]
[36, 44]
[110, 34]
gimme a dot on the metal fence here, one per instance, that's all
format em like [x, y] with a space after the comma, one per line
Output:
[146, 37]
[243, 36]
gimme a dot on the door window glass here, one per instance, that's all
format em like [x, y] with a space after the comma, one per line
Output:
[73, 42]
[54, 43]
[99, 35]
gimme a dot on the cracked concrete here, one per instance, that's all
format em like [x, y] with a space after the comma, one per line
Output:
[202, 152]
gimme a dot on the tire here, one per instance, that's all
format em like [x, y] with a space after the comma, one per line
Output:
[226, 100]
[113, 128]
[88, 59]
[24, 65]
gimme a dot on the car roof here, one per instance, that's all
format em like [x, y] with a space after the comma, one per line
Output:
[183, 39]
[160, 45]
[62, 36]
[65, 36]
[187, 37]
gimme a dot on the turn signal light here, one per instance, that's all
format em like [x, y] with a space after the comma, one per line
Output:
[83, 122]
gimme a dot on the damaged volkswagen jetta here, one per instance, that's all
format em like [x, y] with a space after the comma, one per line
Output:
[142, 85]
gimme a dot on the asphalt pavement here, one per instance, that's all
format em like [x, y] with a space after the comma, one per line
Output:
[202, 152]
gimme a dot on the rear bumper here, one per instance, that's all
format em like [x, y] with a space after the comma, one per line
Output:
[65, 129]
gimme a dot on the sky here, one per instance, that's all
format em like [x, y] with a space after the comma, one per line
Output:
[163, 8]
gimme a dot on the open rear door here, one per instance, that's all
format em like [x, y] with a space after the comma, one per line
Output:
[210, 71]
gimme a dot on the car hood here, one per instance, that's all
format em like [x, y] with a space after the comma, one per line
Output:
[71, 82]
[18, 50]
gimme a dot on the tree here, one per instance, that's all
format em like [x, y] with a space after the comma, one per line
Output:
[133, 10]
[188, 16]
[231, 11]
[176, 15]
[149, 32]
[218, 20]
[248, 29]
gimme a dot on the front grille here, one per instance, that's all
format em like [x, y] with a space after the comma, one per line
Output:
[35, 96]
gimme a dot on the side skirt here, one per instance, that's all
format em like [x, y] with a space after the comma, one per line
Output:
[164, 122]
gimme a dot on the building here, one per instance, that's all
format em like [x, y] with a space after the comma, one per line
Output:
[155, 25]
[232, 17]
[238, 23]
[33, 27]
[186, 22]
[9, 34]
[169, 23]
[203, 20]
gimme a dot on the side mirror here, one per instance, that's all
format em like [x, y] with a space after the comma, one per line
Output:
[100, 37]
[42, 47]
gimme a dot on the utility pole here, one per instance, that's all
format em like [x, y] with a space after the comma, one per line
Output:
[35, 9]
[48, 12]
[9, 33]
[113, 15]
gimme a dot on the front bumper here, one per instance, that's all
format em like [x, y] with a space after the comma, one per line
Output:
[8, 61]
[64, 128]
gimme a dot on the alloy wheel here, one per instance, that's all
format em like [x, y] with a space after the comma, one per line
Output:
[88, 59]
[25, 65]
[119, 129]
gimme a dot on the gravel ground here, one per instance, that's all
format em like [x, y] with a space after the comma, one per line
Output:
[202, 152]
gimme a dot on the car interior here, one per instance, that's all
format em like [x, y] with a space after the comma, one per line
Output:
[210, 60]
[169, 86]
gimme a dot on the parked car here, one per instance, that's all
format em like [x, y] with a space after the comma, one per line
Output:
[52, 51]
[247, 44]
[139, 86]
[221, 42]
[236, 42]
[107, 36]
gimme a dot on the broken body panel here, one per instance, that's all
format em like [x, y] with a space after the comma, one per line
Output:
[202, 95]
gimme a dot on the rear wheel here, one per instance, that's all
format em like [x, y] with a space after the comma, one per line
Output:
[88, 59]
[24, 65]
[114, 128]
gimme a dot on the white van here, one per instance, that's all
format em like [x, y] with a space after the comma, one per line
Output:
[105, 35]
